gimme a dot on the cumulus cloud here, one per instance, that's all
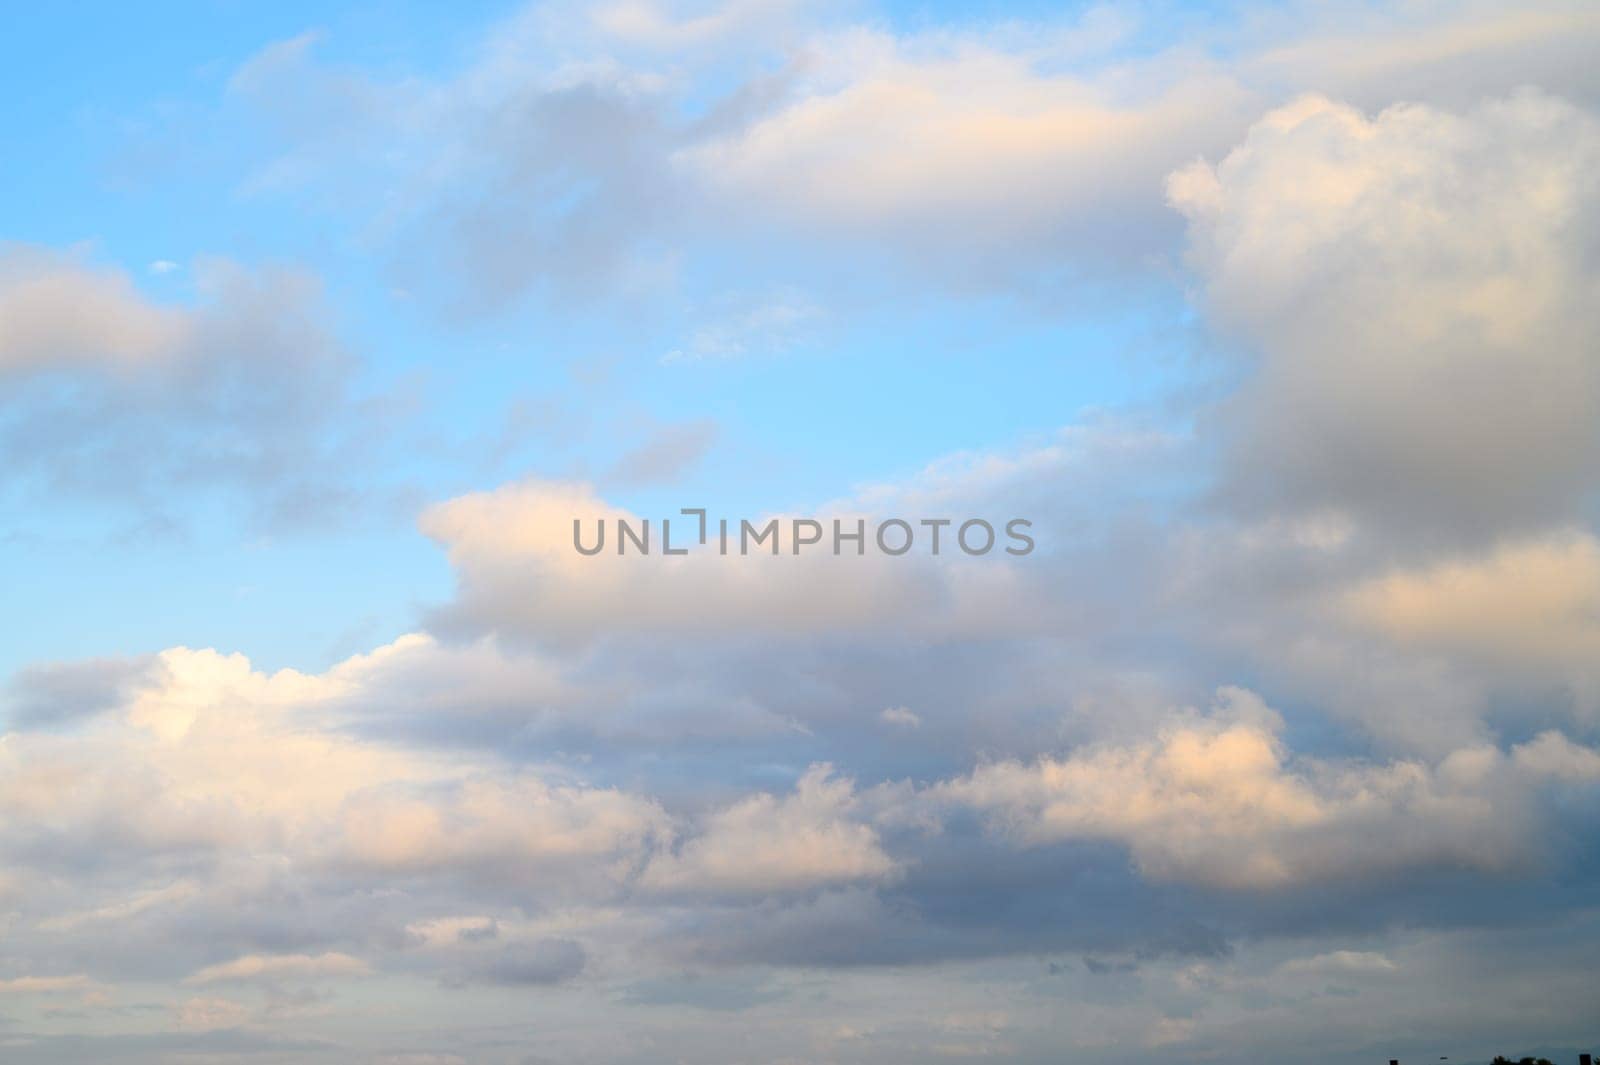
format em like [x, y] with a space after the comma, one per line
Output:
[1150, 600]
[1217, 800]
[461, 868]
[1553, 755]
[764, 844]
[522, 830]
[1530, 604]
[1419, 290]
[519, 575]
[199, 760]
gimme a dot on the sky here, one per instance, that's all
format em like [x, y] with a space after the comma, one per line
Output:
[321, 324]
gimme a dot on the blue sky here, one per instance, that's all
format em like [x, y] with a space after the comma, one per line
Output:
[143, 156]
[320, 324]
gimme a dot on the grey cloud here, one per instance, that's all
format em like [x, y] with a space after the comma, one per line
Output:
[576, 187]
[700, 990]
[1451, 55]
[520, 176]
[666, 455]
[246, 394]
[48, 1047]
[61, 693]
[546, 961]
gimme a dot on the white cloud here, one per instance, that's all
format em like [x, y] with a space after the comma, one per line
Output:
[767, 325]
[1550, 754]
[764, 844]
[952, 142]
[523, 828]
[59, 311]
[46, 985]
[1218, 800]
[1353, 962]
[662, 27]
[1532, 604]
[208, 1014]
[199, 759]
[253, 967]
[1420, 290]
[900, 716]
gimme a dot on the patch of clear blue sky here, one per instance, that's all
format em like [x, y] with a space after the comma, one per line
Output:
[113, 137]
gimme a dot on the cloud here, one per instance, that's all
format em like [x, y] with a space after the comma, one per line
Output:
[519, 575]
[459, 867]
[1530, 604]
[1418, 289]
[124, 401]
[596, 770]
[602, 150]
[1215, 800]
[1353, 962]
[965, 146]
[901, 717]
[546, 961]
[175, 893]
[528, 172]
[521, 830]
[255, 967]
[700, 990]
[766, 845]
[668, 28]
[1550, 754]
[59, 312]
[46, 985]
[47, 694]
[1163, 599]
[1445, 54]
[669, 453]
[769, 325]
[197, 760]
[208, 1014]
